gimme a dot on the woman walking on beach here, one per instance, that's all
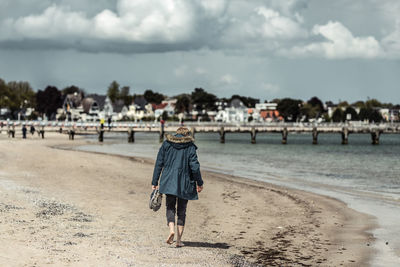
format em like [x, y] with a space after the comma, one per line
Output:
[180, 179]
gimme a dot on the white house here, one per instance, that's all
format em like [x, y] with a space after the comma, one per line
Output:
[385, 113]
[266, 106]
[137, 113]
[237, 112]
[169, 108]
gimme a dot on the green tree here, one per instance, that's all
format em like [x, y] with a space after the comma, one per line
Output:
[19, 95]
[113, 91]
[359, 104]
[124, 95]
[337, 115]
[289, 108]
[350, 110]
[72, 89]
[164, 116]
[326, 117]
[317, 104]
[48, 101]
[310, 111]
[203, 100]
[343, 104]
[375, 116]
[4, 95]
[152, 97]
[182, 103]
[365, 113]
[247, 101]
[373, 103]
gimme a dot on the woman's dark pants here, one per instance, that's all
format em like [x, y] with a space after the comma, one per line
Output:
[171, 202]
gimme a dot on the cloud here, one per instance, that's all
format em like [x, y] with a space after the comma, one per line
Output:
[289, 7]
[391, 42]
[52, 23]
[228, 79]
[260, 27]
[339, 44]
[149, 26]
[270, 88]
[143, 21]
[200, 71]
[277, 26]
[180, 71]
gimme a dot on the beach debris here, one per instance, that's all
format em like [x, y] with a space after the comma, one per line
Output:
[69, 243]
[82, 217]
[81, 235]
[8, 207]
[240, 261]
[52, 208]
[29, 191]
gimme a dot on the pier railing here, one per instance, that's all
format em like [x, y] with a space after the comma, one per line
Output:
[284, 128]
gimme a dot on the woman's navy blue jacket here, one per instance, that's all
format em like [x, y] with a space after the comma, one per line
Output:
[177, 160]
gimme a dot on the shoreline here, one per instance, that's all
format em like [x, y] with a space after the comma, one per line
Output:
[348, 213]
[264, 223]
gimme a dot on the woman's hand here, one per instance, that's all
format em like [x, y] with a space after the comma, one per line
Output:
[153, 187]
[199, 189]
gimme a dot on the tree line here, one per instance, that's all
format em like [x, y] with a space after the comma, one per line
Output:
[18, 96]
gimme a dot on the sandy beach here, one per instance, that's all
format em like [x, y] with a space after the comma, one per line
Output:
[61, 207]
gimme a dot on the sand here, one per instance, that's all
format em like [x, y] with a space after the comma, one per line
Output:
[61, 207]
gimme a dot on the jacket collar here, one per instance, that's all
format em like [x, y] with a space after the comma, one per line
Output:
[179, 139]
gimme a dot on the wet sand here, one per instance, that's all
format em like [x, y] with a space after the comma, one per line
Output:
[70, 208]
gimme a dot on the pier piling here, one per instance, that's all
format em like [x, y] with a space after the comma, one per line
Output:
[42, 132]
[101, 132]
[375, 137]
[284, 136]
[162, 134]
[192, 131]
[315, 136]
[222, 135]
[345, 136]
[101, 135]
[71, 134]
[315, 129]
[131, 135]
[253, 135]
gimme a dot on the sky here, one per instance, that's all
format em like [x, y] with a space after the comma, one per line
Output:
[336, 50]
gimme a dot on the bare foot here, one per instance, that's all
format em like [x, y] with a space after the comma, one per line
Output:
[170, 238]
[179, 244]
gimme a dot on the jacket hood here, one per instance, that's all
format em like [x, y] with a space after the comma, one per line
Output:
[179, 141]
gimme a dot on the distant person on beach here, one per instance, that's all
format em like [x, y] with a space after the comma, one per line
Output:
[24, 130]
[109, 123]
[32, 129]
[162, 122]
[12, 130]
[180, 179]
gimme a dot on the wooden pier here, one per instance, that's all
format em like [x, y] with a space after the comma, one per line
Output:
[285, 129]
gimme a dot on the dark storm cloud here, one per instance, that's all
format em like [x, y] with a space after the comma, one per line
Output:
[143, 26]
[149, 26]
[346, 49]
[94, 47]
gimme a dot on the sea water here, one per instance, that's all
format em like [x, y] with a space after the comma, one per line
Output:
[366, 177]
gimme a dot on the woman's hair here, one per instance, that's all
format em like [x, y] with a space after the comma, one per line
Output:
[183, 131]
